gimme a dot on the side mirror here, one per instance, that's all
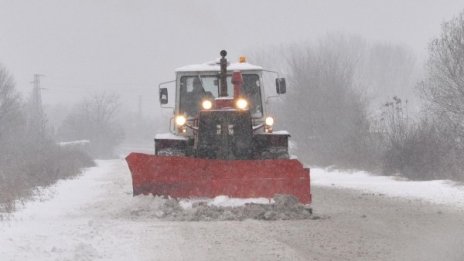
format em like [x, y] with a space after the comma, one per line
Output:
[281, 86]
[163, 96]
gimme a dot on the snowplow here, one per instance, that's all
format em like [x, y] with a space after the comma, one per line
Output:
[221, 139]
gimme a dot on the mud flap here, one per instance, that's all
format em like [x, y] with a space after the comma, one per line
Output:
[187, 177]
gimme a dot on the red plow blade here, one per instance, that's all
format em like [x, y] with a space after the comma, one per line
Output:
[184, 177]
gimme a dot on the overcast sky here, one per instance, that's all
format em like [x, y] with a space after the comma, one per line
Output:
[131, 45]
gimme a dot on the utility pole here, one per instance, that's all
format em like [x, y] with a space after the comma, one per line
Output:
[37, 94]
[36, 113]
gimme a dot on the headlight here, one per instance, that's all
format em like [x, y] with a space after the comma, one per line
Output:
[269, 121]
[241, 104]
[207, 104]
[180, 120]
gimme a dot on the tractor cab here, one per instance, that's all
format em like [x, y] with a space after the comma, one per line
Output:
[196, 87]
[219, 113]
[201, 87]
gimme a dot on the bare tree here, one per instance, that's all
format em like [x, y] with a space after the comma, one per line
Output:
[330, 117]
[443, 87]
[95, 120]
[326, 108]
[10, 106]
[10, 127]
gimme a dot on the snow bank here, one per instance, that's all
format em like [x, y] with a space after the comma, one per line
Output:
[53, 226]
[281, 207]
[73, 143]
[435, 191]
[224, 201]
[65, 195]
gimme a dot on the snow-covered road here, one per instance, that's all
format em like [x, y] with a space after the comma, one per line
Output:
[95, 217]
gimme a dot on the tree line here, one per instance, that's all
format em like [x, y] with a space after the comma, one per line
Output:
[414, 128]
[33, 154]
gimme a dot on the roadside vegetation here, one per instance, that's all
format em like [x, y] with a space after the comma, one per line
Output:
[29, 155]
[373, 106]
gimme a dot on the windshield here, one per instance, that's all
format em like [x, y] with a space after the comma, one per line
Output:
[194, 88]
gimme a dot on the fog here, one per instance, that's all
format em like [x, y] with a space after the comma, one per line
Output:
[372, 85]
[128, 47]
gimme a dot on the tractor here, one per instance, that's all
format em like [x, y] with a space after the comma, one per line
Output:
[221, 139]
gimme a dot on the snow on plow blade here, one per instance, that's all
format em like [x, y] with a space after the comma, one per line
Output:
[185, 177]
